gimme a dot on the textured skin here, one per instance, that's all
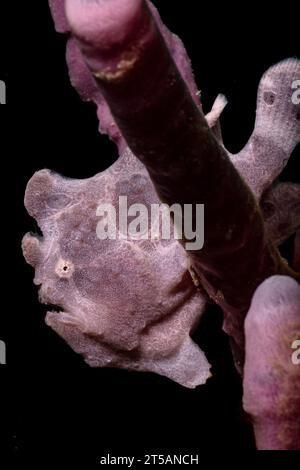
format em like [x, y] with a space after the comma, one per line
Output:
[169, 134]
[281, 210]
[124, 303]
[271, 379]
[276, 133]
[259, 164]
[165, 347]
[277, 128]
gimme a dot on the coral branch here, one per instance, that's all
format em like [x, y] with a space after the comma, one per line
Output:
[169, 134]
[272, 371]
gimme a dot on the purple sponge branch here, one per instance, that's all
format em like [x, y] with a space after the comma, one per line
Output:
[272, 369]
[85, 84]
[57, 8]
[168, 132]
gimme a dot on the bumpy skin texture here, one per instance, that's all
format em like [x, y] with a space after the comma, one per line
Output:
[169, 134]
[281, 210]
[277, 128]
[271, 379]
[276, 134]
[156, 321]
[124, 303]
[219, 267]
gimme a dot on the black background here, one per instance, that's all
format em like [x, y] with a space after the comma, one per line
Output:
[53, 405]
